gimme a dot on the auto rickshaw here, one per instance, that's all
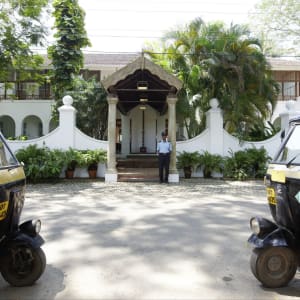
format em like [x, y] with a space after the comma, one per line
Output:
[276, 253]
[22, 261]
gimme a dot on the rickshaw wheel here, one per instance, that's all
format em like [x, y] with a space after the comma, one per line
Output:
[273, 266]
[23, 266]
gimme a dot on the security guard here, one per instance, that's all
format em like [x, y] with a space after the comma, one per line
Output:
[164, 149]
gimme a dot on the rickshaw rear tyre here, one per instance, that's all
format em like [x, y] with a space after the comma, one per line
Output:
[37, 267]
[284, 262]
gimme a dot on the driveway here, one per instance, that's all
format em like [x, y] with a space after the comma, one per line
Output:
[147, 241]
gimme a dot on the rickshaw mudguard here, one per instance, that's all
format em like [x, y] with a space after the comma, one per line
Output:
[21, 239]
[277, 238]
[33, 241]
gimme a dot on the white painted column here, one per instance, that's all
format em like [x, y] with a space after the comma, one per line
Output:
[214, 122]
[18, 127]
[111, 174]
[67, 123]
[287, 115]
[171, 100]
[125, 135]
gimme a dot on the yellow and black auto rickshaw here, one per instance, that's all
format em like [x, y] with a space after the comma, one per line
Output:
[276, 252]
[22, 261]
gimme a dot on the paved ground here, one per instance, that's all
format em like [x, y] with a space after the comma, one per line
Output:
[147, 241]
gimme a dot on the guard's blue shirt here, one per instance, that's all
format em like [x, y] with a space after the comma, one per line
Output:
[164, 147]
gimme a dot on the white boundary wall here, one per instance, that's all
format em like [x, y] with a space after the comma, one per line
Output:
[214, 139]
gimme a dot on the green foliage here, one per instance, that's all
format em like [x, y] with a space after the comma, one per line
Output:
[211, 163]
[261, 132]
[18, 138]
[240, 165]
[248, 163]
[66, 54]
[187, 159]
[90, 100]
[277, 21]
[214, 61]
[41, 163]
[73, 158]
[21, 27]
[91, 158]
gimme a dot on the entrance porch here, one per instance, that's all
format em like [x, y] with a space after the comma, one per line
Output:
[142, 103]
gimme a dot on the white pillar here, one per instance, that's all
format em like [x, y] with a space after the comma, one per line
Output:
[214, 122]
[287, 115]
[18, 127]
[111, 174]
[67, 123]
[125, 135]
[171, 100]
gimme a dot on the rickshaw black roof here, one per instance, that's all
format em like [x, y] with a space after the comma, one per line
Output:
[295, 120]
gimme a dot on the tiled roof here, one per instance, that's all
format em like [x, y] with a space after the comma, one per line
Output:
[110, 58]
[284, 64]
[104, 59]
[122, 59]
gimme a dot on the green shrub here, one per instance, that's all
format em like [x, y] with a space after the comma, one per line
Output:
[73, 158]
[91, 158]
[210, 163]
[187, 159]
[41, 163]
[248, 163]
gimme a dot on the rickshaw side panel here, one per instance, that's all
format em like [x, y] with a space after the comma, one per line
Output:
[12, 191]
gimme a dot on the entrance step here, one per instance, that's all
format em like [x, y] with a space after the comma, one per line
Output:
[138, 168]
[138, 161]
[138, 175]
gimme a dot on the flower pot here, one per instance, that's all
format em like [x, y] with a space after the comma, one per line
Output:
[92, 173]
[69, 174]
[187, 172]
[206, 173]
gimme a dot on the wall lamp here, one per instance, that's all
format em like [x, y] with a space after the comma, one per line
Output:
[142, 85]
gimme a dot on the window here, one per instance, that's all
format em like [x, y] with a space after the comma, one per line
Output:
[6, 157]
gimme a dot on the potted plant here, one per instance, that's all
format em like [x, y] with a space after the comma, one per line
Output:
[187, 161]
[210, 163]
[92, 158]
[72, 160]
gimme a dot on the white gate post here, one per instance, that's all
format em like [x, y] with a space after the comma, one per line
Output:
[67, 123]
[214, 122]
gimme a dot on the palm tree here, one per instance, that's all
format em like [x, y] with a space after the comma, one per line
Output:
[216, 62]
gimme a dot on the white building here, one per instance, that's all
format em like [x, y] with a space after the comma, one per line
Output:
[25, 107]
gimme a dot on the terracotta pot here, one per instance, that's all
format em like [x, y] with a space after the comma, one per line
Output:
[187, 172]
[69, 174]
[92, 173]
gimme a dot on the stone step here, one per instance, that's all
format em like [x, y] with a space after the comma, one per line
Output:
[138, 162]
[138, 174]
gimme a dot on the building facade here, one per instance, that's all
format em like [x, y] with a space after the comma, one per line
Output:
[26, 106]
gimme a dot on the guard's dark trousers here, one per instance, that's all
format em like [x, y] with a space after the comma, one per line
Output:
[164, 163]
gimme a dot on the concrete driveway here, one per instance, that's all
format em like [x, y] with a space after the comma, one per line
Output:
[147, 241]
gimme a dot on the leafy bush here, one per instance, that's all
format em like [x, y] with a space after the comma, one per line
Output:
[187, 159]
[91, 158]
[210, 163]
[248, 163]
[41, 163]
[19, 138]
[73, 158]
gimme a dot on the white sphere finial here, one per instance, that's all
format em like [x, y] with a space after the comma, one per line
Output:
[290, 105]
[67, 100]
[214, 103]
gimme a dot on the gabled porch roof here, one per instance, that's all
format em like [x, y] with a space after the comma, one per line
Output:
[124, 84]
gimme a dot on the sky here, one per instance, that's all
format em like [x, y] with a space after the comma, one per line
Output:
[125, 26]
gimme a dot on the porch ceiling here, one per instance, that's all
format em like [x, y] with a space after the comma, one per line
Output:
[123, 84]
[129, 96]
